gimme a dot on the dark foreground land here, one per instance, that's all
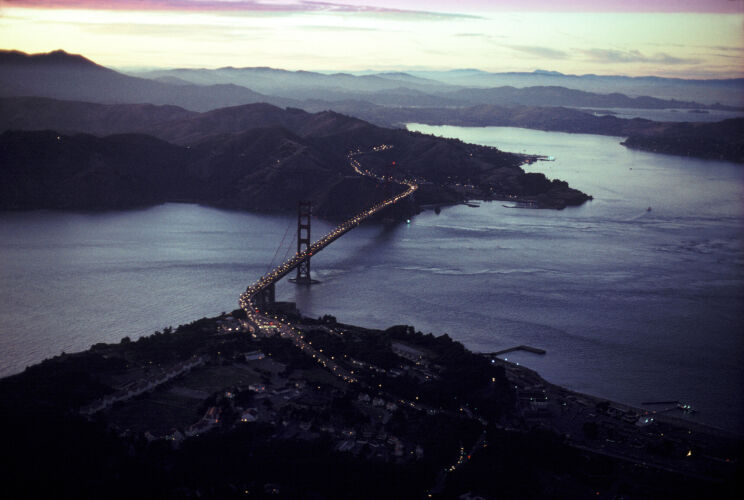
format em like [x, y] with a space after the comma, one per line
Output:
[215, 410]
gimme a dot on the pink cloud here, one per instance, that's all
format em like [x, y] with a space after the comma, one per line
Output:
[468, 6]
[450, 6]
[185, 5]
[207, 5]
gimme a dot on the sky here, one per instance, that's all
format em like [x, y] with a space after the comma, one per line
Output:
[674, 38]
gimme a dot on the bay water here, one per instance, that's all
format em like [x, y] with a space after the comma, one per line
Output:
[630, 304]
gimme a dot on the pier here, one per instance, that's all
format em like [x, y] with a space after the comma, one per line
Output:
[533, 350]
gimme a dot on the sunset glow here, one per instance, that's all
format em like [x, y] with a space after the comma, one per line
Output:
[686, 38]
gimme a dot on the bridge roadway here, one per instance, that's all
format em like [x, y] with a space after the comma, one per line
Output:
[284, 329]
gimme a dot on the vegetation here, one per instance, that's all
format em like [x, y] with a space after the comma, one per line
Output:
[458, 404]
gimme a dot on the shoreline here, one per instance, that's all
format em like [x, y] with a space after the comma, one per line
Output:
[522, 370]
[224, 378]
[663, 142]
[513, 369]
[516, 370]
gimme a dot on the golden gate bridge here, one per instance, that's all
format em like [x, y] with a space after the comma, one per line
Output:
[262, 292]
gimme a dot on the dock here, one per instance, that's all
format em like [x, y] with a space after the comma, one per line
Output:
[533, 350]
[670, 406]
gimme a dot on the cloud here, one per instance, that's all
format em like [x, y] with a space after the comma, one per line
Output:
[481, 37]
[545, 52]
[727, 56]
[340, 29]
[726, 49]
[252, 5]
[290, 6]
[609, 56]
[203, 32]
[463, 7]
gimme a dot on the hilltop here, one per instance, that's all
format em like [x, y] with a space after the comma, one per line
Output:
[540, 100]
[719, 141]
[220, 409]
[60, 75]
[250, 157]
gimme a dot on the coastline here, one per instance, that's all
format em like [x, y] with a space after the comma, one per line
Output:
[522, 371]
[412, 401]
[526, 380]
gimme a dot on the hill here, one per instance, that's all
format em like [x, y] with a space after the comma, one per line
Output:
[261, 169]
[208, 410]
[43, 169]
[290, 83]
[554, 95]
[385, 99]
[240, 118]
[39, 113]
[252, 157]
[720, 141]
[60, 75]
[710, 91]
[716, 140]
[403, 89]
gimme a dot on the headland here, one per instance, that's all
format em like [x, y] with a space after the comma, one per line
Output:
[220, 409]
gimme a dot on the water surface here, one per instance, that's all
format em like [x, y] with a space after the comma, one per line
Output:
[631, 304]
[669, 115]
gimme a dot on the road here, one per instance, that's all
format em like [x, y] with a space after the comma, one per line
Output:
[263, 321]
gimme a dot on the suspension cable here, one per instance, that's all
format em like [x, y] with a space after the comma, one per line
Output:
[281, 244]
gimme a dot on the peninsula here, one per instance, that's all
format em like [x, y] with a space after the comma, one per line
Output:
[220, 409]
[252, 157]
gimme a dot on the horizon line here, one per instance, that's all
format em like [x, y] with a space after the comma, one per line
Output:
[399, 69]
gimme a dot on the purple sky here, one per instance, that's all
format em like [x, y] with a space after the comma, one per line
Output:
[465, 6]
[685, 38]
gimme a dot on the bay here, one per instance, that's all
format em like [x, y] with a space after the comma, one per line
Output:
[631, 304]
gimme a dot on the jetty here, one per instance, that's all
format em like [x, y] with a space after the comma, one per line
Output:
[670, 406]
[533, 350]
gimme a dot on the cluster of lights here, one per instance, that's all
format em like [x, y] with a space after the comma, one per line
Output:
[284, 268]
[287, 330]
[268, 279]
[460, 460]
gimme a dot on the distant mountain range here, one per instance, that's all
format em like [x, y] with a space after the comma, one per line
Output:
[437, 89]
[79, 135]
[721, 140]
[726, 91]
[64, 76]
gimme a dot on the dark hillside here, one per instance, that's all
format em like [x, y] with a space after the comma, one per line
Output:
[250, 157]
[719, 141]
[249, 116]
[40, 113]
[47, 170]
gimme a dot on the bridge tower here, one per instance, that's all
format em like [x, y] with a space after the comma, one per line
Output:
[304, 211]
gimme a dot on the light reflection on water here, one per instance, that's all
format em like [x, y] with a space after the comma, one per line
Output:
[630, 304]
